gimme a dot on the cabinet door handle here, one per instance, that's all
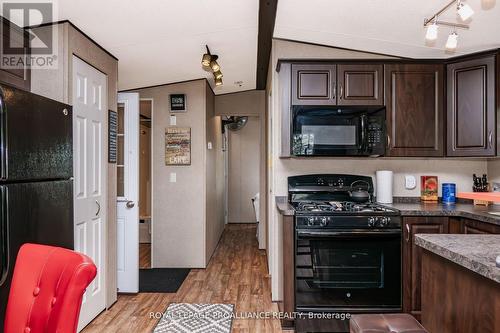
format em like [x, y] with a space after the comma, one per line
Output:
[341, 91]
[407, 233]
[334, 91]
[490, 139]
[388, 141]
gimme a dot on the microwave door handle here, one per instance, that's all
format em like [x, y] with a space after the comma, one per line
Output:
[363, 132]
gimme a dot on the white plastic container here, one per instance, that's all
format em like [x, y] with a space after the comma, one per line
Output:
[384, 183]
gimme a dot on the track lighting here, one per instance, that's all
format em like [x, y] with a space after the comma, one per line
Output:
[451, 43]
[209, 62]
[432, 32]
[464, 11]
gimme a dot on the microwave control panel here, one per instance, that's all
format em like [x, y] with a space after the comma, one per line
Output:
[375, 134]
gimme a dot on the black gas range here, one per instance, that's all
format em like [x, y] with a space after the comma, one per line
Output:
[347, 249]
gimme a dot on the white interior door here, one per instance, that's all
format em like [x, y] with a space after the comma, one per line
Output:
[90, 179]
[128, 193]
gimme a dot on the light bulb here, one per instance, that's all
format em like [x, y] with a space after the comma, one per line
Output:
[451, 43]
[465, 11]
[218, 75]
[218, 82]
[432, 32]
[215, 66]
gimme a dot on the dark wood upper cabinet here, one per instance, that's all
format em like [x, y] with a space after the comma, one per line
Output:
[360, 84]
[20, 76]
[471, 108]
[415, 111]
[412, 257]
[314, 84]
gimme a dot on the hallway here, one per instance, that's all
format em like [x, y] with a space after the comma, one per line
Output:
[236, 274]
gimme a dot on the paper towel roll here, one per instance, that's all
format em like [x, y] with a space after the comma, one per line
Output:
[384, 186]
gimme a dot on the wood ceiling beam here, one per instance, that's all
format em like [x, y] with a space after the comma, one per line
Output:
[267, 17]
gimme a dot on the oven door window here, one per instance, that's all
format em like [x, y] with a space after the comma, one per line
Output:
[348, 271]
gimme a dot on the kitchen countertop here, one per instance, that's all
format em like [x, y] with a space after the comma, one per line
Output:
[284, 207]
[466, 210]
[479, 213]
[474, 252]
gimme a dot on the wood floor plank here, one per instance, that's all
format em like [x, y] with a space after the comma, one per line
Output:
[237, 274]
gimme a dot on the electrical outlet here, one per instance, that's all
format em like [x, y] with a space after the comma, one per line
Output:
[410, 182]
[209, 145]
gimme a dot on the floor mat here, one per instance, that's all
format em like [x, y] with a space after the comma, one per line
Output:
[161, 280]
[196, 318]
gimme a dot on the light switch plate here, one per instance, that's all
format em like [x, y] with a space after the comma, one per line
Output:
[173, 177]
[173, 120]
[410, 182]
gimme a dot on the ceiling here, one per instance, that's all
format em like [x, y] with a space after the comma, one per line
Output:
[158, 41]
[385, 26]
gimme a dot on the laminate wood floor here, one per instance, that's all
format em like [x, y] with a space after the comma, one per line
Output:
[145, 255]
[236, 274]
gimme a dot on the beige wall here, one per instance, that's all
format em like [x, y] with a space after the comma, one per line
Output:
[185, 223]
[450, 170]
[58, 85]
[144, 171]
[215, 177]
[246, 103]
[244, 171]
[494, 170]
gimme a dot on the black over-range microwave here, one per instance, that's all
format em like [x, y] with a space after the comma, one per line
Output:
[334, 131]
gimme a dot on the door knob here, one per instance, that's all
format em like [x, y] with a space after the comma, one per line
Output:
[130, 204]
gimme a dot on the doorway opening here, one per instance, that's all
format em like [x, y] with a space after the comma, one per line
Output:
[242, 135]
[145, 191]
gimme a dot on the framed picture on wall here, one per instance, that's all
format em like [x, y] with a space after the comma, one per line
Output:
[178, 146]
[177, 103]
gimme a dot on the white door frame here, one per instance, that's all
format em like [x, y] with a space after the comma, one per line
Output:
[128, 204]
[89, 98]
[151, 157]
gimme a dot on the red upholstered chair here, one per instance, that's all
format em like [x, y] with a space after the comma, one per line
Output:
[47, 290]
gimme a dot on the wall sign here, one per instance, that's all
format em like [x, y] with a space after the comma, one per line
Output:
[112, 136]
[177, 103]
[178, 146]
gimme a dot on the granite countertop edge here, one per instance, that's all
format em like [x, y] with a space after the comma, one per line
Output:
[487, 271]
[417, 209]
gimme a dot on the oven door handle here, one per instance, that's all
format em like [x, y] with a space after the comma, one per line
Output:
[381, 232]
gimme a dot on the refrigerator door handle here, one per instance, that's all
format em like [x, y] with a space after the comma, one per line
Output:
[4, 233]
[3, 137]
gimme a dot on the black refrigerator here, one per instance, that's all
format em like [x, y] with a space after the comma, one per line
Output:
[36, 170]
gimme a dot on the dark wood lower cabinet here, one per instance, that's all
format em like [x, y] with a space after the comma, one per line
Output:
[412, 257]
[457, 300]
[288, 304]
[412, 253]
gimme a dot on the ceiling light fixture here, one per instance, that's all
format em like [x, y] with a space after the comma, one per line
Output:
[432, 32]
[464, 11]
[452, 42]
[432, 24]
[209, 62]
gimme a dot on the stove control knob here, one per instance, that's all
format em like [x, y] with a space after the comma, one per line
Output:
[310, 221]
[371, 221]
[323, 222]
[384, 221]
